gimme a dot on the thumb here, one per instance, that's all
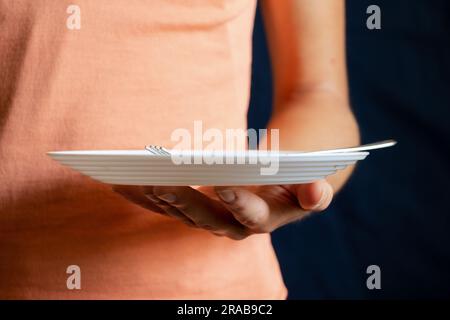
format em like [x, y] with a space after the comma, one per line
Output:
[314, 196]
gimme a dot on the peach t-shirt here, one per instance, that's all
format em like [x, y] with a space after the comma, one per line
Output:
[134, 71]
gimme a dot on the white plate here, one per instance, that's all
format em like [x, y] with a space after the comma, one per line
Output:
[139, 167]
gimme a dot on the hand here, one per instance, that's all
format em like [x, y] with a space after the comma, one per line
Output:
[235, 212]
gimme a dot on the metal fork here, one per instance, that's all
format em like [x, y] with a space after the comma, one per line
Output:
[160, 151]
[157, 150]
[364, 147]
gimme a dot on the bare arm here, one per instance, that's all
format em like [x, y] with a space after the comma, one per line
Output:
[307, 45]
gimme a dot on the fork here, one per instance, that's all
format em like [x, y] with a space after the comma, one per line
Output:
[157, 150]
[364, 147]
[161, 151]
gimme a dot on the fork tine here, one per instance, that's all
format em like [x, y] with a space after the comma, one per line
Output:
[157, 150]
[151, 149]
[164, 151]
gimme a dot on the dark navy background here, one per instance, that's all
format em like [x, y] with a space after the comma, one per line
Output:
[394, 212]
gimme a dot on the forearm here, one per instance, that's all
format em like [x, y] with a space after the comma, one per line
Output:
[306, 39]
[313, 120]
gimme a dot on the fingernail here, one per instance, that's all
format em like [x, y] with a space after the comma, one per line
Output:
[226, 195]
[168, 197]
[322, 198]
[152, 197]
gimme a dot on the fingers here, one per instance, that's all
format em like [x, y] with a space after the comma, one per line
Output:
[240, 211]
[247, 207]
[171, 211]
[314, 196]
[135, 195]
[205, 212]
